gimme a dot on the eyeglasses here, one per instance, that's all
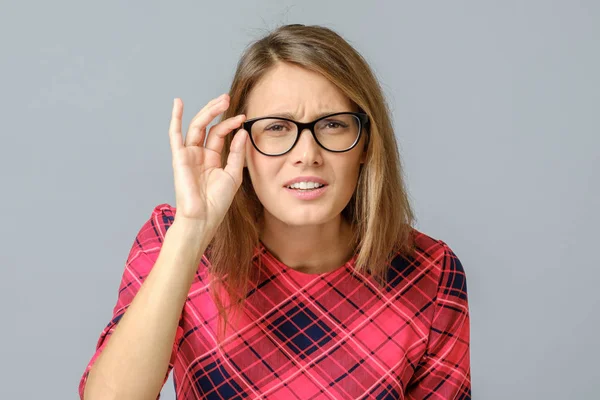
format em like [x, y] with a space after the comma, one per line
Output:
[275, 136]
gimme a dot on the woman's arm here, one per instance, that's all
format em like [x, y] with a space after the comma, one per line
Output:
[444, 372]
[134, 362]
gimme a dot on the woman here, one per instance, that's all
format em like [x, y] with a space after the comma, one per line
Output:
[293, 272]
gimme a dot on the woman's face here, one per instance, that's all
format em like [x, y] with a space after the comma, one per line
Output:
[303, 95]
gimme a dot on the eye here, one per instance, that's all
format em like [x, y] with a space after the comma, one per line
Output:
[332, 124]
[274, 127]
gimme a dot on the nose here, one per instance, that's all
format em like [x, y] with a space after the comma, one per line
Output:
[307, 150]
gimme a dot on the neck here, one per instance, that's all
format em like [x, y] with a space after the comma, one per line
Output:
[311, 249]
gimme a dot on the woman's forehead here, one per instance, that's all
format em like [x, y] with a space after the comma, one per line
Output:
[295, 99]
[295, 90]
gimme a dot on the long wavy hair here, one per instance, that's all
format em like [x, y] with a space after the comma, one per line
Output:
[379, 210]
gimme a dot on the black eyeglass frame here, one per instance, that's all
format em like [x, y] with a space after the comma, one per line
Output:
[363, 119]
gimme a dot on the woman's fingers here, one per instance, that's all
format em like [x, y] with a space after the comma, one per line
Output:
[216, 134]
[175, 136]
[237, 153]
[197, 131]
[210, 104]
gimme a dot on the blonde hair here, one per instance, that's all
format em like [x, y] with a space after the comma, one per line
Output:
[379, 209]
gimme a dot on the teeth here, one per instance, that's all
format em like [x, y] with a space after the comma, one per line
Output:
[305, 185]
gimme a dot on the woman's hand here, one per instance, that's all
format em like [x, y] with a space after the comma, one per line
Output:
[204, 190]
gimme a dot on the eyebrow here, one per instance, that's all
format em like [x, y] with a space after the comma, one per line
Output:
[291, 116]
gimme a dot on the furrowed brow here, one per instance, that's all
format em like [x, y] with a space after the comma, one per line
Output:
[291, 116]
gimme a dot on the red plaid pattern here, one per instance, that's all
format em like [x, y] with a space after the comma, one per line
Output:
[328, 336]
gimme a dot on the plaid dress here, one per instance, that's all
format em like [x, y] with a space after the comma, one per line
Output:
[334, 335]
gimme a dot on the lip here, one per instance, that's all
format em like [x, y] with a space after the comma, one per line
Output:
[306, 179]
[307, 194]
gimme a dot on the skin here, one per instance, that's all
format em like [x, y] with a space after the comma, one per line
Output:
[309, 236]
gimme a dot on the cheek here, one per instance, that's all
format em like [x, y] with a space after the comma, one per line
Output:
[249, 155]
[348, 181]
[347, 170]
[253, 162]
[263, 172]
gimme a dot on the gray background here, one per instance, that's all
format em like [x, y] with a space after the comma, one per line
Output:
[496, 106]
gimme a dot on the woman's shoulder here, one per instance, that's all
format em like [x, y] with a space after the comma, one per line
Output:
[164, 215]
[161, 219]
[152, 232]
[432, 257]
[158, 222]
[427, 246]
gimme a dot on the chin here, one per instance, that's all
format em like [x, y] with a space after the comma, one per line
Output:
[303, 217]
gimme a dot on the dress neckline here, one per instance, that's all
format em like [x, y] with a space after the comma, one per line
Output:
[279, 266]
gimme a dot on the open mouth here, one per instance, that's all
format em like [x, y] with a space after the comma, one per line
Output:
[307, 193]
[307, 189]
